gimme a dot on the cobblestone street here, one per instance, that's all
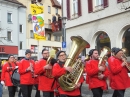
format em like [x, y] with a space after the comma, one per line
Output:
[85, 92]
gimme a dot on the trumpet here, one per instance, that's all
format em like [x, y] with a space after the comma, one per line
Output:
[49, 71]
[124, 58]
[103, 57]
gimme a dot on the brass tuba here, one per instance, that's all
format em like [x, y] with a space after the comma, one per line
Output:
[103, 57]
[68, 81]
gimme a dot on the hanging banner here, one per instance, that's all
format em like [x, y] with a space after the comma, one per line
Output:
[36, 9]
[38, 22]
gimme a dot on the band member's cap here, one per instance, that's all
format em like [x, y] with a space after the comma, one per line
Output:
[113, 49]
[28, 51]
[58, 53]
[117, 50]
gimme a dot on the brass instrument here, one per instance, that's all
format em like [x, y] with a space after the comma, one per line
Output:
[69, 80]
[124, 58]
[103, 57]
[87, 58]
[49, 71]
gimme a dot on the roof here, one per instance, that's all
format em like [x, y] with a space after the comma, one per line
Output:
[55, 3]
[16, 2]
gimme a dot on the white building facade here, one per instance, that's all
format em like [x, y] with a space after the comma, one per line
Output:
[99, 22]
[12, 27]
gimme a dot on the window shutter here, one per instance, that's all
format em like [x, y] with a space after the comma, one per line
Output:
[68, 9]
[90, 6]
[118, 1]
[79, 8]
[105, 3]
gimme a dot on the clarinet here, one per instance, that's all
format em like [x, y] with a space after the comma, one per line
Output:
[32, 71]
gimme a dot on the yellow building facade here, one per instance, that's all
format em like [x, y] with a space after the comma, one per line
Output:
[51, 7]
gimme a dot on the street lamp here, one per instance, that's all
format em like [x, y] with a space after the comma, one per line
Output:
[63, 32]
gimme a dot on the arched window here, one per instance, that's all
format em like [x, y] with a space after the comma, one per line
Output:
[126, 41]
[102, 40]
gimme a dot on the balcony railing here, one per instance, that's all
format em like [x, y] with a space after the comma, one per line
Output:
[56, 26]
[47, 26]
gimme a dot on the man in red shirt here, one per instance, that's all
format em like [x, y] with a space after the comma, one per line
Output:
[97, 82]
[59, 70]
[7, 70]
[26, 71]
[119, 74]
[45, 83]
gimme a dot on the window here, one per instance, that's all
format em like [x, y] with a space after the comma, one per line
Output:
[49, 36]
[98, 2]
[57, 38]
[21, 45]
[97, 5]
[9, 17]
[34, 49]
[31, 34]
[126, 42]
[102, 40]
[0, 16]
[75, 6]
[49, 9]
[56, 10]
[49, 23]
[21, 28]
[9, 37]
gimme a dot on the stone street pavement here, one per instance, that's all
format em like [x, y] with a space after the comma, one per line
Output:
[85, 92]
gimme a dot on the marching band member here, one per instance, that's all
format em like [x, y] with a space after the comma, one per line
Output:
[1, 87]
[97, 82]
[59, 70]
[36, 82]
[45, 83]
[26, 72]
[7, 70]
[119, 77]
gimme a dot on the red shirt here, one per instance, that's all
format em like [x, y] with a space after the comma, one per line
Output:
[26, 77]
[92, 75]
[45, 83]
[6, 73]
[58, 72]
[119, 75]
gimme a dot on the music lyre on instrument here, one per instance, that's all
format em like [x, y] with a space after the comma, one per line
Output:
[52, 55]
[103, 57]
[124, 58]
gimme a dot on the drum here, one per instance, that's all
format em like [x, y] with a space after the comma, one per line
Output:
[15, 77]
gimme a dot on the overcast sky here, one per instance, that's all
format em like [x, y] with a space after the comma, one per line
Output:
[59, 1]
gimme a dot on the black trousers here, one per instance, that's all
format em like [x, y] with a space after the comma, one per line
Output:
[118, 93]
[12, 90]
[62, 95]
[37, 91]
[97, 92]
[48, 94]
[26, 90]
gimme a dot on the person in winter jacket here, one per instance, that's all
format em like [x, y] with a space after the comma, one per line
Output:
[96, 75]
[59, 70]
[26, 71]
[119, 79]
[46, 84]
[7, 70]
